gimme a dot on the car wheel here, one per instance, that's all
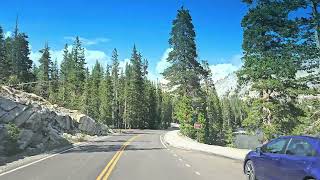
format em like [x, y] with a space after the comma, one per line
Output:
[249, 170]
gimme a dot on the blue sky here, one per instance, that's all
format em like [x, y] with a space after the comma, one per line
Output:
[108, 24]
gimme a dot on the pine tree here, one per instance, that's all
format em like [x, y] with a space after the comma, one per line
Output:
[106, 96]
[79, 59]
[54, 83]
[127, 118]
[213, 122]
[309, 41]
[115, 88]
[65, 70]
[166, 111]
[151, 113]
[44, 72]
[122, 98]
[95, 82]
[18, 56]
[77, 73]
[185, 115]
[4, 64]
[159, 123]
[136, 90]
[185, 69]
[85, 98]
[272, 49]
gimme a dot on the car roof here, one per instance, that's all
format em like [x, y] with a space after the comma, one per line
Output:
[302, 136]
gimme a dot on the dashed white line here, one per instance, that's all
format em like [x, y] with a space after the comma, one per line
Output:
[175, 155]
[180, 159]
[197, 173]
[188, 165]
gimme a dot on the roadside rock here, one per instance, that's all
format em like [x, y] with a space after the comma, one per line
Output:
[23, 117]
[25, 138]
[88, 125]
[37, 125]
[65, 122]
[6, 104]
[13, 113]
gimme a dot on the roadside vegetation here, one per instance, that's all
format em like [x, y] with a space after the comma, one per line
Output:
[11, 144]
[277, 43]
[120, 98]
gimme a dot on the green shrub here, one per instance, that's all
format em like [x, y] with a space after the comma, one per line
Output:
[11, 144]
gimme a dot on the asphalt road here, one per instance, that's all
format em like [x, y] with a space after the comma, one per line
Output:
[135, 155]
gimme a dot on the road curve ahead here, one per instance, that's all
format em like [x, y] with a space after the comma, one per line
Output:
[133, 155]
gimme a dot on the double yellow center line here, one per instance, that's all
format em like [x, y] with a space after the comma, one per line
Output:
[104, 175]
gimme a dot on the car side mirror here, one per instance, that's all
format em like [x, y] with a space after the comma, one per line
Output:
[258, 150]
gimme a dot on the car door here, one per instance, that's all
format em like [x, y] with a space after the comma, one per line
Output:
[300, 154]
[267, 164]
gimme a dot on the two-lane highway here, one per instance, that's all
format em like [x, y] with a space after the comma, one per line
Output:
[134, 155]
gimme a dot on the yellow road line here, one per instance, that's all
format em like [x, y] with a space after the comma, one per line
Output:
[110, 166]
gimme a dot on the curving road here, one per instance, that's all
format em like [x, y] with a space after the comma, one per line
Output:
[134, 155]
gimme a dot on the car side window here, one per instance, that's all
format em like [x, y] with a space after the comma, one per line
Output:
[276, 146]
[300, 147]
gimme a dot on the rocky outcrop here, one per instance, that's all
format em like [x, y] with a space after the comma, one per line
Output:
[30, 122]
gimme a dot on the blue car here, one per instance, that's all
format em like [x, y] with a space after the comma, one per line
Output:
[285, 158]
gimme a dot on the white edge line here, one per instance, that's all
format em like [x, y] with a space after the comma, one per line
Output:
[42, 159]
[34, 162]
[163, 142]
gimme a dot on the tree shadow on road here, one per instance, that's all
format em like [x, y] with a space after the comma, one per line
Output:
[109, 148]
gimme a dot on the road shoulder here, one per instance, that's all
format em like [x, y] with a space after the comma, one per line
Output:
[174, 139]
[29, 160]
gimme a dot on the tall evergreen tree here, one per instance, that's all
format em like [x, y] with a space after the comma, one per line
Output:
[127, 118]
[166, 111]
[78, 72]
[4, 64]
[115, 88]
[54, 83]
[136, 89]
[85, 98]
[185, 69]
[95, 83]
[44, 71]
[18, 56]
[106, 96]
[65, 70]
[272, 53]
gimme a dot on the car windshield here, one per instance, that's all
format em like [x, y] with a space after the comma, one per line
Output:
[161, 89]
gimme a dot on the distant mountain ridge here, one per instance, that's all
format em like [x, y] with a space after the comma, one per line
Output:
[230, 85]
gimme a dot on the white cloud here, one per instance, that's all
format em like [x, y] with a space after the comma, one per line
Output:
[122, 64]
[95, 55]
[7, 34]
[91, 56]
[163, 63]
[88, 42]
[220, 71]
